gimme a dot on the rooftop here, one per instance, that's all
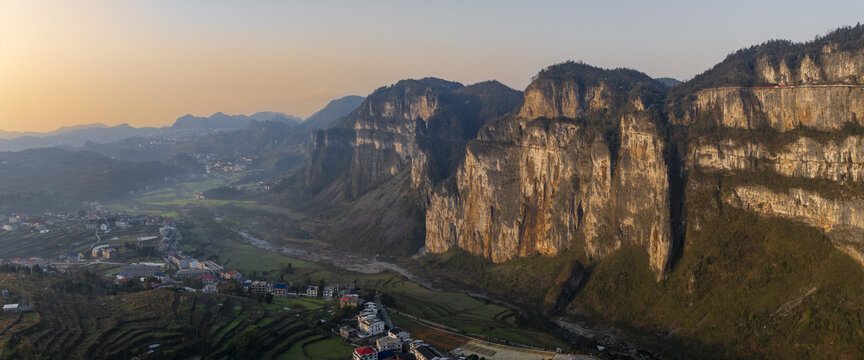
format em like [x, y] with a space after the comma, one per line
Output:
[365, 351]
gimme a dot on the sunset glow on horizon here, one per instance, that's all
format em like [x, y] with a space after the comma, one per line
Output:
[145, 63]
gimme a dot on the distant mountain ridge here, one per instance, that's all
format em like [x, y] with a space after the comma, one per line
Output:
[185, 127]
[62, 130]
[334, 110]
[222, 121]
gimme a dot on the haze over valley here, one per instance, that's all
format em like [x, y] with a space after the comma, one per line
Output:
[594, 212]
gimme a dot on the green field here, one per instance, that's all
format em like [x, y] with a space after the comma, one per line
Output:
[457, 310]
[171, 200]
[183, 324]
[207, 239]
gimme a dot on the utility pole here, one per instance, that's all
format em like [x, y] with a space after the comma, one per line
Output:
[24, 305]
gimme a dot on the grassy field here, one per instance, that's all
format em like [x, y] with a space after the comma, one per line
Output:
[64, 241]
[458, 311]
[183, 324]
[536, 278]
[207, 239]
[171, 200]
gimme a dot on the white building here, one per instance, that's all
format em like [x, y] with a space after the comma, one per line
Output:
[312, 290]
[398, 333]
[365, 353]
[388, 343]
[372, 327]
[330, 291]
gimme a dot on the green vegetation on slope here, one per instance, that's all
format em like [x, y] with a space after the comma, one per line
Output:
[744, 286]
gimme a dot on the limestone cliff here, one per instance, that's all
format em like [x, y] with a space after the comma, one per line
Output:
[373, 168]
[839, 160]
[588, 159]
[841, 219]
[580, 164]
[413, 124]
[820, 107]
[790, 147]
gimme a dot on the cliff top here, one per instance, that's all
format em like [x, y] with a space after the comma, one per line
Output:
[781, 62]
[589, 75]
[574, 89]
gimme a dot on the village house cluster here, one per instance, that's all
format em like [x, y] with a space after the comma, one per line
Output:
[396, 344]
[95, 217]
[392, 343]
[215, 163]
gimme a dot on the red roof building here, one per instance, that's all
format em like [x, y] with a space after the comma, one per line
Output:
[365, 353]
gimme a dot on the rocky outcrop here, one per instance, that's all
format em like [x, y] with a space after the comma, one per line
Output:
[641, 191]
[410, 125]
[841, 160]
[826, 65]
[588, 159]
[818, 107]
[800, 126]
[578, 164]
[842, 220]
[375, 167]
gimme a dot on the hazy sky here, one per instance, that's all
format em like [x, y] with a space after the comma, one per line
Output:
[148, 62]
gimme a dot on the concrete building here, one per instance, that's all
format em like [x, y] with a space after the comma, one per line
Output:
[398, 333]
[330, 291]
[280, 290]
[192, 273]
[349, 301]
[110, 253]
[371, 325]
[347, 331]
[388, 343]
[427, 352]
[260, 288]
[365, 353]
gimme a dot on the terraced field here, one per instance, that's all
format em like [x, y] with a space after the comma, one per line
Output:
[172, 324]
[458, 311]
[33, 244]
[62, 241]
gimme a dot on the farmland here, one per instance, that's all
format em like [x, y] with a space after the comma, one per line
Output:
[66, 240]
[207, 324]
[171, 200]
[453, 309]
[182, 324]
[458, 311]
[34, 244]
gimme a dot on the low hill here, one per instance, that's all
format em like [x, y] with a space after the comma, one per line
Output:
[40, 178]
